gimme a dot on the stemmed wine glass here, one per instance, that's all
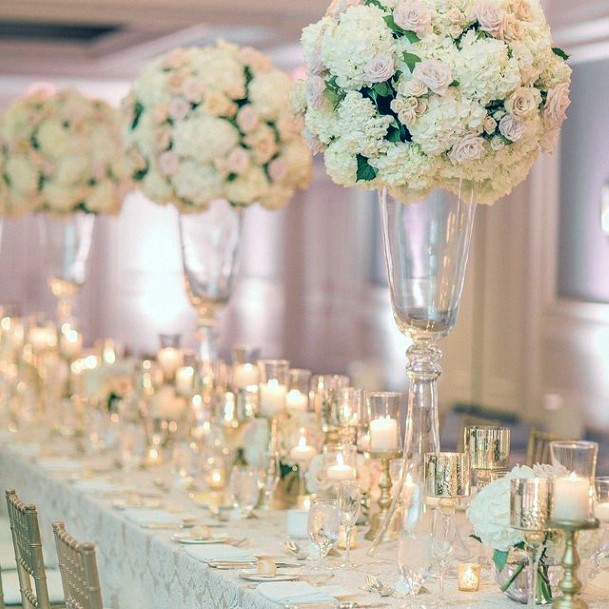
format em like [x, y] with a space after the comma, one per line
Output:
[443, 533]
[244, 489]
[350, 505]
[323, 526]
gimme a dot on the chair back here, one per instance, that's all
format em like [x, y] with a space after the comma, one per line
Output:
[78, 568]
[538, 447]
[28, 552]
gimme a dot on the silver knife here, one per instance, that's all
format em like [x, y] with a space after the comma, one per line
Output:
[176, 526]
[335, 605]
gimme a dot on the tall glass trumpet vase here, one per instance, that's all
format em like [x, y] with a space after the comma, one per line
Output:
[209, 242]
[66, 242]
[426, 250]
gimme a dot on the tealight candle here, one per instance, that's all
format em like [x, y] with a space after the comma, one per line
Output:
[272, 398]
[296, 401]
[340, 471]
[468, 575]
[216, 479]
[185, 380]
[384, 434]
[571, 498]
[303, 452]
[170, 359]
[245, 375]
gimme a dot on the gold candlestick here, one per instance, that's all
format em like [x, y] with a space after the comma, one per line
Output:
[571, 585]
[385, 498]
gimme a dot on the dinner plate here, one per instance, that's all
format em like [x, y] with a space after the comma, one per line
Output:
[185, 538]
[253, 576]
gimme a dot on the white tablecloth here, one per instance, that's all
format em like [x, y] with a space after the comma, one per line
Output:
[142, 568]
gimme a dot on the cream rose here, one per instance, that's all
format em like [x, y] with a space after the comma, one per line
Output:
[490, 124]
[178, 108]
[413, 17]
[278, 170]
[435, 74]
[315, 88]
[491, 17]
[469, 148]
[379, 69]
[557, 103]
[169, 163]
[238, 161]
[511, 128]
[523, 102]
[414, 88]
[247, 119]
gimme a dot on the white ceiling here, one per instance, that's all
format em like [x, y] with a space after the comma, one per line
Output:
[150, 27]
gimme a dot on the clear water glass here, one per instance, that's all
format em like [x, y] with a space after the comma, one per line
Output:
[350, 506]
[414, 562]
[578, 457]
[244, 489]
[323, 527]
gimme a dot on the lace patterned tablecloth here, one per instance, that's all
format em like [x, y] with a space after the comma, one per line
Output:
[142, 568]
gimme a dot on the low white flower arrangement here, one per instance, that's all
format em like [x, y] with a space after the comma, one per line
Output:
[215, 123]
[415, 95]
[62, 154]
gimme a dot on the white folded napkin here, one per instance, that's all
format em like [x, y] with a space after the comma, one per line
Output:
[294, 592]
[60, 465]
[219, 551]
[94, 487]
[141, 516]
[12, 596]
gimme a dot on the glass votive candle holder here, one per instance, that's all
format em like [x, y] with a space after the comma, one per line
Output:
[297, 399]
[468, 577]
[185, 380]
[70, 342]
[170, 357]
[601, 499]
[323, 397]
[245, 371]
[530, 503]
[273, 387]
[577, 457]
[384, 409]
[447, 476]
[108, 350]
[488, 447]
[349, 409]
[572, 499]
[170, 340]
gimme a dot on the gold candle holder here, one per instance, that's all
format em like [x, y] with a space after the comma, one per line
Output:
[468, 577]
[570, 584]
[488, 448]
[385, 498]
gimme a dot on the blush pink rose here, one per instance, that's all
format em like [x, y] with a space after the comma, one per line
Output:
[178, 108]
[491, 17]
[511, 128]
[315, 88]
[160, 112]
[278, 170]
[557, 103]
[379, 69]
[413, 17]
[469, 148]
[247, 119]
[168, 163]
[254, 58]
[337, 7]
[193, 90]
[435, 74]
[238, 161]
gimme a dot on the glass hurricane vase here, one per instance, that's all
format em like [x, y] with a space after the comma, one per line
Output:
[426, 249]
[209, 243]
[66, 242]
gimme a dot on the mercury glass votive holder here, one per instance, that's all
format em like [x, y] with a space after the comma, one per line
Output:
[488, 447]
[468, 577]
[530, 503]
[323, 397]
[577, 457]
[447, 476]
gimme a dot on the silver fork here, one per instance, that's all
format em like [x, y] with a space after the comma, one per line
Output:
[291, 547]
[374, 584]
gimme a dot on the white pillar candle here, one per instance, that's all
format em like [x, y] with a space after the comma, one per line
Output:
[296, 401]
[340, 471]
[170, 359]
[571, 498]
[272, 398]
[601, 511]
[302, 453]
[245, 375]
[185, 380]
[384, 434]
[70, 343]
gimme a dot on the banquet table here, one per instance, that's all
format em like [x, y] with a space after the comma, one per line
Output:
[141, 567]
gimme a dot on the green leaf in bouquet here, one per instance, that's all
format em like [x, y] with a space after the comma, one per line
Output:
[411, 36]
[393, 135]
[138, 110]
[365, 171]
[333, 92]
[558, 51]
[411, 60]
[374, 3]
[383, 89]
[500, 558]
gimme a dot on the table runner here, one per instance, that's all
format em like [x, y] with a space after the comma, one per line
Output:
[144, 568]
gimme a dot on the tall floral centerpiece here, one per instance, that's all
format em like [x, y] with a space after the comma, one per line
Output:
[210, 130]
[437, 104]
[64, 157]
